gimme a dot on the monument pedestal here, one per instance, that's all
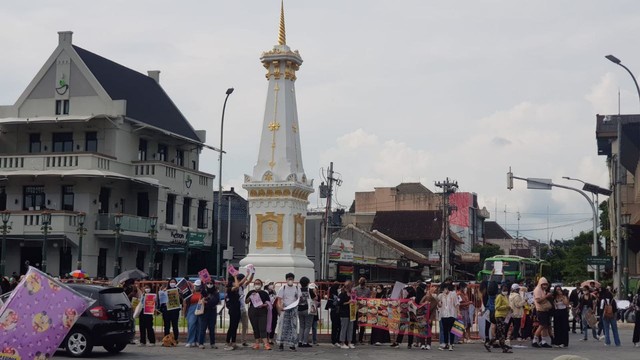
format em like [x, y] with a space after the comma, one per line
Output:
[274, 267]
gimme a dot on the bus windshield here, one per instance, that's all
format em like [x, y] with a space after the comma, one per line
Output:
[507, 265]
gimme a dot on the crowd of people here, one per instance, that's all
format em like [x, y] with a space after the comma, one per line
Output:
[288, 316]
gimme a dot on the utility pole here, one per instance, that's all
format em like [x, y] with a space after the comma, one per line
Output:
[326, 191]
[448, 187]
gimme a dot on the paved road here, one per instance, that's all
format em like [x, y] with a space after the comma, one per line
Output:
[592, 350]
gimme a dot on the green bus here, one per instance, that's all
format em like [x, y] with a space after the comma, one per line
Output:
[516, 268]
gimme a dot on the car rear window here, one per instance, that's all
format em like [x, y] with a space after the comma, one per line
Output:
[114, 299]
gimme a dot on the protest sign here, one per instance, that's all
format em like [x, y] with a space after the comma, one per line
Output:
[37, 316]
[149, 304]
[397, 290]
[232, 271]
[184, 288]
[353, 312]
[497, 267]
[162, 297]
[204, 276]
[174, 299]
[255, 300]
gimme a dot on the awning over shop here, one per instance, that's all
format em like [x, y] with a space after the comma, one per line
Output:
[81, 173]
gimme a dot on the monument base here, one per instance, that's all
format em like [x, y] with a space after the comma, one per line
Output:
[274, 267]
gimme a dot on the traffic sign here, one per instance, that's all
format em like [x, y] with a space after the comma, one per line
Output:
[600, 260]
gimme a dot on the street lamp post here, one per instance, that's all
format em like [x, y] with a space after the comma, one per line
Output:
[618, 181]
[46, 221]
[547, 184]
[152, 253]
[117, 219]
[595, 190]
[82, 231]
[625, 221]
[6, 215]
[224, 107]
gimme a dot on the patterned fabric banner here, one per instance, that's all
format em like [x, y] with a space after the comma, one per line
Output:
[400, 316]
[38, 315]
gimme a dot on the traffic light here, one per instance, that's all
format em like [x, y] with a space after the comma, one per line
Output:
[509, 179]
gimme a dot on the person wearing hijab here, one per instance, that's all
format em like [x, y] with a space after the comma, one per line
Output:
[502, 309]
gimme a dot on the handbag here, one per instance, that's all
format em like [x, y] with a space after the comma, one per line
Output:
[199, 307]
[313, 308]
[138, 309]
[458, 328]
[592, 320]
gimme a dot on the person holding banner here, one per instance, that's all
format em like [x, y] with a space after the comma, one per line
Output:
[430, 298]
[189, 309]
[146, 316]
[449, 311]
[171, 310]
[233, 305]
[259, 306]
[407, 293]
[345, 300]
[502, 311]
[208, 319]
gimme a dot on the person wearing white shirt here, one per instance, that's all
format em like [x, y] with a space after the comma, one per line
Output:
[286, 303]
[449, 308]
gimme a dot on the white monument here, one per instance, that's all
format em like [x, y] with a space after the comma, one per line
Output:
[279, 188]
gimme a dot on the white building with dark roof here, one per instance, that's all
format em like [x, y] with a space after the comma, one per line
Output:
[90, 135]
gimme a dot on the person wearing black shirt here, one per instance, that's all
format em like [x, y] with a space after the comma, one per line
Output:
[208, 319]
[334, 313]
[346, 325]
[587, 305]
[258, 314]
[233, 306]
[574, 300]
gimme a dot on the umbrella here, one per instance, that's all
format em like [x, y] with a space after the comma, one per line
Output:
[134, 274]
[588, 283]
[79, 274]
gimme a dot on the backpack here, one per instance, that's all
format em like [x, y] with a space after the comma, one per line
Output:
[608, 310]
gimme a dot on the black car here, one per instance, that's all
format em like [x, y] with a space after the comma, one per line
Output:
[108, 322]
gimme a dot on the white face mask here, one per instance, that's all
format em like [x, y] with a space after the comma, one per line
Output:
[209, 286]
[290, 282]
[172, 285]
[257, 287]
[505, 293]
[147, 291]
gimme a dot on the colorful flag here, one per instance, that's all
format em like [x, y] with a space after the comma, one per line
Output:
[458, 328]
[38, 315]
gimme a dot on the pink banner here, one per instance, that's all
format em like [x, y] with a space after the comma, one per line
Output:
[149, 304]
[38, 315]
[204, 276]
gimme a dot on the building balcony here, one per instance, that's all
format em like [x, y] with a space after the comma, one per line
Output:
[29, 224]
[137, 224]
[59, 161]
[174, 176]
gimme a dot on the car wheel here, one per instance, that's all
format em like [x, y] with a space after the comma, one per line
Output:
[78, 343]
[115, 348]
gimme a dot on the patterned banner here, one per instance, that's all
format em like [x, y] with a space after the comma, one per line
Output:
[400, 316]
[38, 315]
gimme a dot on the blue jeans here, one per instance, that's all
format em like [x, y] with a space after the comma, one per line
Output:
[192, 322]
[314, 330]
[207, 321]
[305, 326]
[606, 323]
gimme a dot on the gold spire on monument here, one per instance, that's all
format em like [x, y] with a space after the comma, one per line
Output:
[282, 37]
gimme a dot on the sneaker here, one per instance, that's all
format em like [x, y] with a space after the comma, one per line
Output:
[228, 347]
[316, 344]
[583, 339]
[142, 344]
[535, 345]
[607, 344]
[428, 347]
[488, 346]
[450, 348]
[245, 344]
[344, 346]
[213, 346]
[281, 347]
[336, 345]
[507, 350]
[395, 345]
[423, 347]
[351, 346]
[601, 337]
[545, 345]
[409, 346]
[378, 343]
[636, 345]
[292, 348]
[201, 346]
